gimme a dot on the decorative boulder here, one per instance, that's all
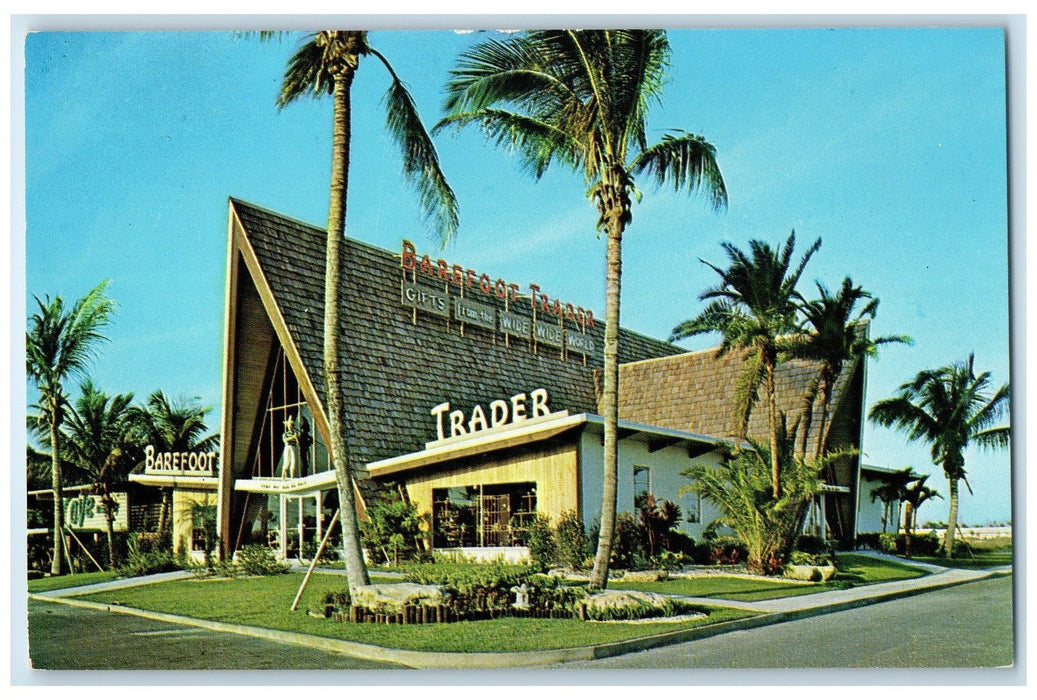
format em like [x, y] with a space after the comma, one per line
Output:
[395, 596]
[622, 599]
[809, 572]
[660, 575]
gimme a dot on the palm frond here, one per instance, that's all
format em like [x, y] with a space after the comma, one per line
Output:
[306, 75]
[687, 161]
[420, 160]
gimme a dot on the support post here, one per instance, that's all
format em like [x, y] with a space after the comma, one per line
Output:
[316, 558]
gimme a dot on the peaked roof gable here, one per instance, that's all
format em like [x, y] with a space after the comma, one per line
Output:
[398, 365]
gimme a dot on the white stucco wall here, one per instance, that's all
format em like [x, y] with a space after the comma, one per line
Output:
[869, 512]
[665, 481]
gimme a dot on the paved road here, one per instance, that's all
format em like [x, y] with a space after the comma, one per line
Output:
[964, 626]
[63, 637]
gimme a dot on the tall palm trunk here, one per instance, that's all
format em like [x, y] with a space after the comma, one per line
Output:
[59, 505]
[109, 517]
[952, 516]
[825, 394]
[163, 513]
[356, 571]
[770, 361]
[610, 397]
[909, 513]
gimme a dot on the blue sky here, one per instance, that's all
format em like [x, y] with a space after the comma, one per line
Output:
[889, 144]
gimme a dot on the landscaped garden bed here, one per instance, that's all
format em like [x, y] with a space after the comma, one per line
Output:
[266, 601]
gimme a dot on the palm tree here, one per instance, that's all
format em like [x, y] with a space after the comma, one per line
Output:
[890, 493]
[101, 439]
[59, 343]
[582, 98]
[948, 408]
[326, 64]
[754, 309]
[174, 425]
[837, 336]
[914, 496]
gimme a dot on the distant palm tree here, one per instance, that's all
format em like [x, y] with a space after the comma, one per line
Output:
[754, 309]
[837, 335]
[176, 425]
[101, 439]
[59, 343]
[582, 98]
[326, 65]
[891, 493]
[914, 496]
[948, 408]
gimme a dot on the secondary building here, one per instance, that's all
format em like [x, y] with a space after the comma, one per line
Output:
[472, 396]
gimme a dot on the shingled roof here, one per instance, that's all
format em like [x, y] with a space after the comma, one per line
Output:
[695, 391]
[396, 370]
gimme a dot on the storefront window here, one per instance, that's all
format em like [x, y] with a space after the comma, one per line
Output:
[490, 515]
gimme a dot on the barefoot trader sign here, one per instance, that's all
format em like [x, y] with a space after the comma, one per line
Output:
[549, 315]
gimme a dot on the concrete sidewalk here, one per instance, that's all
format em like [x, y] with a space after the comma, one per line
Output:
[769, 612]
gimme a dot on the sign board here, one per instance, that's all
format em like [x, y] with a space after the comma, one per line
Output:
[475, 313]
[579, 342]
[426, 299]
[518, 408]
[85, 512]
[548, 333]
[516, 324]
[179, 463]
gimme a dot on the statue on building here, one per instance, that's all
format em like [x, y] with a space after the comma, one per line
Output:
[305, 441]
[291, 449]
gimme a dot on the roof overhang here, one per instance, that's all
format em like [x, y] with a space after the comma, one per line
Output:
[173, 481]
[533, 431]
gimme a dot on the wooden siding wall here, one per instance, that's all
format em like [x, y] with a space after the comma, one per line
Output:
[554, 469]
[184, 501]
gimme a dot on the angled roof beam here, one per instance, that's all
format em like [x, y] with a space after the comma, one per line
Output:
[663, 443]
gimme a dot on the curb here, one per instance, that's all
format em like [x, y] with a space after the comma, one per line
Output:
[455, 660]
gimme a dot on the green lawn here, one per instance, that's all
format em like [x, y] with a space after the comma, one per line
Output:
[980, 560]
[52, 583]
[851, 570]
[265, 602]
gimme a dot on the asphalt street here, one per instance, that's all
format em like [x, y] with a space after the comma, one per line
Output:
[64, 637]
[965, 626]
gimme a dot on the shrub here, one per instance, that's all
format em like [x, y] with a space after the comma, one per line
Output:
[571, 539]
[887, 543]
[541, 542]
[146, 555]
[801, 558]
[812, 544]
[627, 546]
[393, 529]
[725, 550]
[638, 610]
[257, 560]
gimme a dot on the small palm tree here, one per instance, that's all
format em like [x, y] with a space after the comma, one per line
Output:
[837, 335]
[173, 425]
[59, 344]
[326, 64]
[914, 496]
[101, 439]
[582, 98]
[754, 309]
[891, 493]
[950, 409]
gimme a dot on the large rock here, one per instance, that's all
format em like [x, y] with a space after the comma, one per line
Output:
[394, 596]
[623, 599]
